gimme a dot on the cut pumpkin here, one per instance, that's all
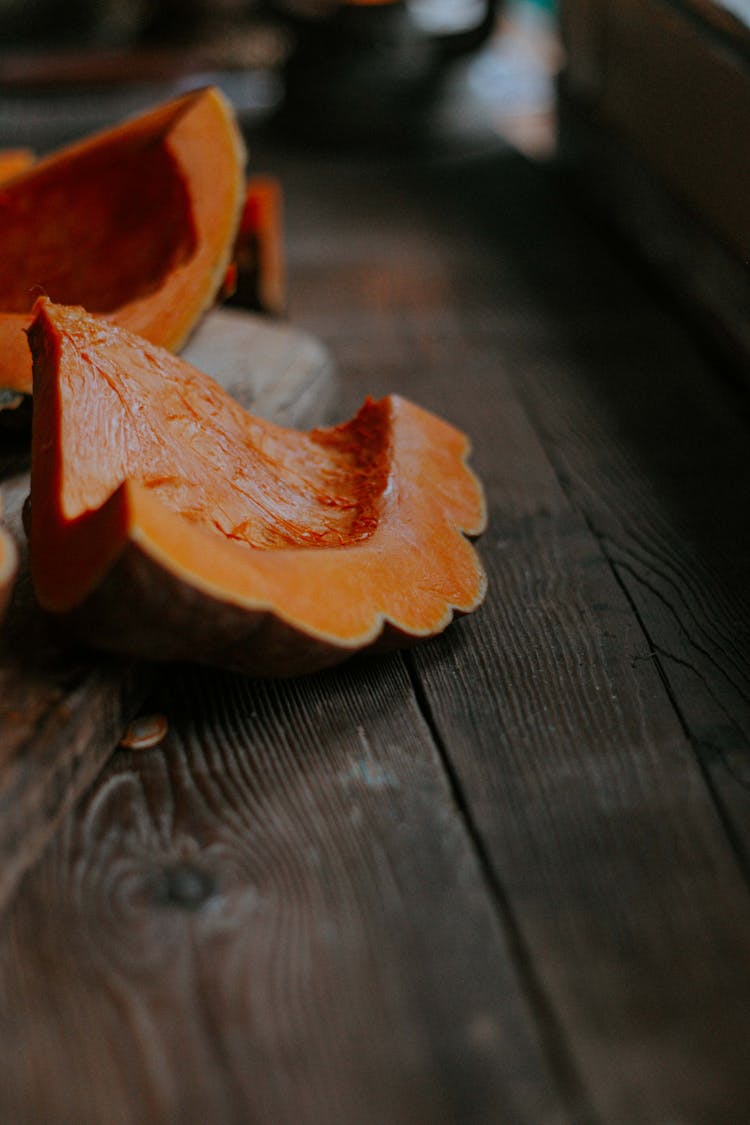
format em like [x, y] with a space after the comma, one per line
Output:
[137, 224]
[256, 278]
[8, 566]
[13, 161]
[166, 521]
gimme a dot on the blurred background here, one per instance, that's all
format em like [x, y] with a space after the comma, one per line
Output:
[643, 106]
[392, 73]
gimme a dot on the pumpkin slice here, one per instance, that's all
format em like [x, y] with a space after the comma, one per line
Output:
[14, 351]
[13, 161]
[8, 566]
[255, 279]
[136, 223]
[167, 521]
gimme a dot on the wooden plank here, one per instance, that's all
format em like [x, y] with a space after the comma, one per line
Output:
[274, 916]
[278, 915]
[277, 371]
[668, 505]
[260, 923]
[579, 775]
[62, 710]
[575, 771]
[649, 438]
[589, 801]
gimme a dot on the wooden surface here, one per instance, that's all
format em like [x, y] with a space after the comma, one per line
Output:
[63, 711]
[500, 878]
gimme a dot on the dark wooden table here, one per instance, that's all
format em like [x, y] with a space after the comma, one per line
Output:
[502, 877]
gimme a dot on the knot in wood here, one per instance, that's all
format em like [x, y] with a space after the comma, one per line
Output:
[185, 885]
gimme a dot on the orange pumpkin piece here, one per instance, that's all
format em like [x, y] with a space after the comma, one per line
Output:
[166, 521]
[8, 566]
[13, 161]
[256, 276]
[136, 223]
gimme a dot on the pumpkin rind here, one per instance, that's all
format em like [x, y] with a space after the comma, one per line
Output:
[291, 553]
[136, 223]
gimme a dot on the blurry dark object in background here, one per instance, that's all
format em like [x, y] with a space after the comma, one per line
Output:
[175, 21]
[655, 121]
[67, 70]
[371, 70]
[115, 23]
[42, 23]
[454, 25]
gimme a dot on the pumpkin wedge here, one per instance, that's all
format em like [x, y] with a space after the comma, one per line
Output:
[136, 223]
[13, 161]
[256, 274]
[8, 566]
[167, 521]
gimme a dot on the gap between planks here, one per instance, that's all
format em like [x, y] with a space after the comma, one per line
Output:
[551, 1034]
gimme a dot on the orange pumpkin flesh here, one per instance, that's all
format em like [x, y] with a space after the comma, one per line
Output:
[136, 224]
[256, 278]
[13, 161]
[169, 522]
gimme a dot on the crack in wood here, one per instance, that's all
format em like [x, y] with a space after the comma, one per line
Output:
[551, 1034]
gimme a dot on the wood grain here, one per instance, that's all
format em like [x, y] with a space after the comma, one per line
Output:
[669, 505]
[276, 916]
[614, 643]
[610, 856]
[275, 370]
[499, 879]
[63, 710]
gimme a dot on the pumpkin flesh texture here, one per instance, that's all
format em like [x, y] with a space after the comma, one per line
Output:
[136, 224]
[282, 551]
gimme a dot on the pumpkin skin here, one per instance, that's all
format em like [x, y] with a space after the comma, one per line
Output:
[168, 522]
[136, 223]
